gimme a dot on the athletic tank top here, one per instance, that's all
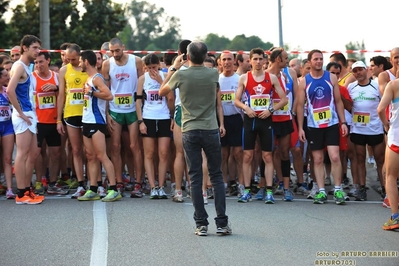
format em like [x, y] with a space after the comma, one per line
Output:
[23, 91]
[75, 81]
[123, 85]
[228, 89]
[45, 102]
[393, 136]
[5, 109]
[344, 78]
[320, 98]
[365, 98]
[93, 107]
[155, 106]
[258, 93]
[284, 113]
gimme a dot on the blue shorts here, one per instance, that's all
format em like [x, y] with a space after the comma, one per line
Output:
[6, 128]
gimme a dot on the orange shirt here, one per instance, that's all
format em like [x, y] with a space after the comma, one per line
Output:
[45, 102]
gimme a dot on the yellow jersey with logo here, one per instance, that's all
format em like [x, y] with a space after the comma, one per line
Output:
[74, 99]
[344, 78]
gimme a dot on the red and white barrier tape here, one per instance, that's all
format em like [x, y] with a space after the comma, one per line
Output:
[234, 52]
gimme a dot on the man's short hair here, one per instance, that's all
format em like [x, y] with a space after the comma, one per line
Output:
[183, 46]
[314, 51]
[27, 41]
[258, 51]
[45, 54]
[105, 46]
[115, 41]
[168, 57]
[73, 47]
[197, 51]
[339, 57]
[64, 46]
[334, 65]
[90, 56]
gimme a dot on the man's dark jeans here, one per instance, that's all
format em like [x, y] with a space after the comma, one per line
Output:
[194, 142]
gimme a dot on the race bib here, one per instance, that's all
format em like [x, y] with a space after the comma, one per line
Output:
[86, 103]
[76, 96]
[123, 100]
[282, 111]
[153, 97]
[5, 113]
[322, 115]
[47, 100]
[260, 102]
[361, 119]
[228, 96]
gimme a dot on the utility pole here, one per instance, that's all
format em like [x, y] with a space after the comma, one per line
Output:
[280, 25]
[45, 23]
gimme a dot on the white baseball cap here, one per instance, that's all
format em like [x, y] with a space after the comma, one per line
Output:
[359, 64]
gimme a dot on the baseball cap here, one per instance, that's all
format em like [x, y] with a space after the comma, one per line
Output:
[359, 64]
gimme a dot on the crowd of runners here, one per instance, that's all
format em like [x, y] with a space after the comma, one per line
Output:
[96, 125]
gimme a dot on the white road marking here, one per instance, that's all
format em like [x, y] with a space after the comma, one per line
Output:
[99, 246]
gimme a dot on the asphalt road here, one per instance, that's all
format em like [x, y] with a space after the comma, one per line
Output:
[62, 231]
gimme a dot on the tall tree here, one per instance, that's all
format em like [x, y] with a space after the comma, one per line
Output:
[216, 42]
[151, 24]
[100, 23]
[356, 46]
[5, 32]
[26, 20]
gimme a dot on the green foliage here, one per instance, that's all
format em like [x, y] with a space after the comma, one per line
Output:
[239, 42]
[101, 21]
[150, 26]
[5, 31]
[26, 20]
[356, 46]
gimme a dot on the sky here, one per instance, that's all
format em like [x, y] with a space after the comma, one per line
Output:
[307, 24]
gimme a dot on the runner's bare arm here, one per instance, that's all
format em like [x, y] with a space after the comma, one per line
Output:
[16, 73]
[280, 92]
[387, 98]
[219, 110]
[300, 108]
[383, 79]
[105, 73]
[295, 88]
[103, 91]
[139, 66]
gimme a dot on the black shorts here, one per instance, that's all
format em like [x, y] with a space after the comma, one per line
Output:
[49, 133]
[254, 127]
[305, 127]
[74, 121]
[157, 128]
[90, 129]
[233, 125]
[319, 138]
[363, 140]
[281, 129]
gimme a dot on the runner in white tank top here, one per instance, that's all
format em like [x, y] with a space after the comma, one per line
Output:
[154, 124]
[121, 72]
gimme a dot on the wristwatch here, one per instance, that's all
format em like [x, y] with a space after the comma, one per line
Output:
[91, 93]
[173, 69]
[271, 110]
[139, 121]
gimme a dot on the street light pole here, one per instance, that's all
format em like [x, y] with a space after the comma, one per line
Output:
[280, 25]
[45, 23]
